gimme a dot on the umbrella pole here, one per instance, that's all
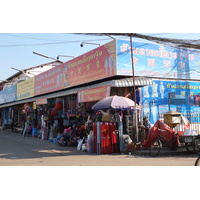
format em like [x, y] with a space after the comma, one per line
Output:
[120, 135]
[120, 129]
[134, 94]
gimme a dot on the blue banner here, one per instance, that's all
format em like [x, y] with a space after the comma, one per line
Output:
[2, 97]
[10, 94]
[154, 60]
[162, 96]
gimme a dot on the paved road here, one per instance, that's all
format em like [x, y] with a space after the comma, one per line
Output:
[16, 150]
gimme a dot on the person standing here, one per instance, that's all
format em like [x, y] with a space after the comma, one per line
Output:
[147, 125]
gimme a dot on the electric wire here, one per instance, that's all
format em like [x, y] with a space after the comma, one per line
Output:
[32, 38]
[52, 43]
[177, 43]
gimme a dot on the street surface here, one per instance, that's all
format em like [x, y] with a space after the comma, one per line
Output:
[16, 150]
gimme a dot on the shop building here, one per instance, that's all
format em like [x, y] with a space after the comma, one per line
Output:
[166, 78]
[13, 90]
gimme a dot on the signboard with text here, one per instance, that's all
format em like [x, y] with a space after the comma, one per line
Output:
[2, 97]
[49, 81]
[163, 96]
[154, 60]
[25, 89]
[10, 93]
[94, 94]
[94, 65]
[41, 101]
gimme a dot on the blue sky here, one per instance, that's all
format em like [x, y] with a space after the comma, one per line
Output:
[37, 26]
[16, 49]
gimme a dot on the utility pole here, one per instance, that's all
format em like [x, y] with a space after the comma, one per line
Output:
[134, 91]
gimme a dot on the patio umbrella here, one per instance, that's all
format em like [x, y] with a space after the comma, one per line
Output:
[114, 102]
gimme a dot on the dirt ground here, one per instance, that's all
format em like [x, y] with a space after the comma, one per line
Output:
[16, 150]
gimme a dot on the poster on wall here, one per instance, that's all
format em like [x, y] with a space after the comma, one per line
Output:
[94, 65]
[163, 96]
[154, 60]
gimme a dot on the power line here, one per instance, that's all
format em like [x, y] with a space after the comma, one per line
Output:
[177, 43]
[32, 38]
[51, 43]
[155, 34]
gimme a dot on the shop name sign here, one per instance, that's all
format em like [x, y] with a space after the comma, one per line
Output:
[8, 95]
[11, 93]
[2, 97]
[94, 65]
[25, 89]
[163, 95]
[49, 81]
[93, 94]
[155, 60]
[41, 101]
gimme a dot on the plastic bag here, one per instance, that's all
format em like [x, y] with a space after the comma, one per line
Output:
[79, 146]
[84, 147]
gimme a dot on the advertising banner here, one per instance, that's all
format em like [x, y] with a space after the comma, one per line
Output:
[2, 98]
[94, 65]
[94, 94]
[25, 89]
[154, 60]
[49, 81]
[41, 101]
[162, 96]
[10, 94]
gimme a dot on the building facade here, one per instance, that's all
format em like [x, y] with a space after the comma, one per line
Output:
[166, 78]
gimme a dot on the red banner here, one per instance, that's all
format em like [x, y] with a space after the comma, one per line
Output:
[93, 94]
[49, 81]
[92, 66]
[41, 101]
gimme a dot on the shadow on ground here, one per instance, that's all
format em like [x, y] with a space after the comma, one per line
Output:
[15, 146]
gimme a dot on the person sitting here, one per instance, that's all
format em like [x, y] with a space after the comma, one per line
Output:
[28, 131]
[67, 133]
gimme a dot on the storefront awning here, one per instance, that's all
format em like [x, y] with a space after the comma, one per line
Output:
[127, 82]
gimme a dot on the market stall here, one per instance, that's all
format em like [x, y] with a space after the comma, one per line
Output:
[108, 136]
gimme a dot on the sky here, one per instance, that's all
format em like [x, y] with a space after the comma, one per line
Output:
[16, 49]
[45, 27]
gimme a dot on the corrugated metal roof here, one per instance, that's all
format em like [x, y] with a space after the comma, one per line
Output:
[127, 82]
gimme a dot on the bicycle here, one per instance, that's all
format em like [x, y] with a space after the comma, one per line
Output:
[197, 148]
[162, 141]
[162, 136]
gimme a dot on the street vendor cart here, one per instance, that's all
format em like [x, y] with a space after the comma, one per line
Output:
[192, 142]
[161, 135]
